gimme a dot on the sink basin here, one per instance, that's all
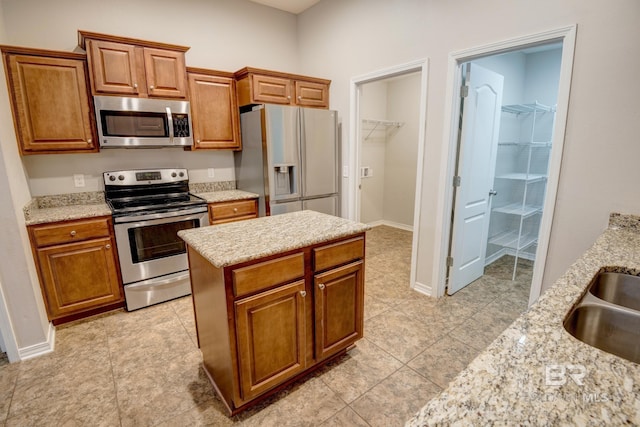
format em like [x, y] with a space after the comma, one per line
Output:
[617, 288]
[610, 329]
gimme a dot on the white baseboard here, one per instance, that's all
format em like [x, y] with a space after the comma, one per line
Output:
[423, 289]
[41, 348]
[391, 224]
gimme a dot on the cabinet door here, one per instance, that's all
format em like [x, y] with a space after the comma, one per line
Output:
[113, 68]
[50, 104]
[79, 276]
[270, 331]
[310, 94]
[214, 112]
[339, 304]
[166, 73]
[272, 90]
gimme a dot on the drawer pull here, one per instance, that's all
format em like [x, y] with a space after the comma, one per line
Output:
[303, 294]
[108, 246]
[73, 233]
[235, 210]
[321, 286]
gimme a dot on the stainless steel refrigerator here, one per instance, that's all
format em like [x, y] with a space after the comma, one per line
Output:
[290, 157]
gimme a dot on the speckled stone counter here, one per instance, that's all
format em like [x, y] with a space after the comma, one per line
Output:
[63, 207]
[226, 195]
[536, 373]
[237, 242]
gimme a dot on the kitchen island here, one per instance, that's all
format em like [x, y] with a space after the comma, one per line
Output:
[536, 373]
[274, 299]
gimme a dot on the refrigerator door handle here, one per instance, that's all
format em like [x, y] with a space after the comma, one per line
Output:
[302, 152]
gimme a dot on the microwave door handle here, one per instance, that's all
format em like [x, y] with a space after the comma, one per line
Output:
[170, 119]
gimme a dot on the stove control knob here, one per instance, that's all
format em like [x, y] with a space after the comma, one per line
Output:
[173, 174]
[181, 174]
[121, 177]
[112, 178]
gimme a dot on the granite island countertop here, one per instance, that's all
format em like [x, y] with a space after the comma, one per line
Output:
[536, 373]
[241, 241]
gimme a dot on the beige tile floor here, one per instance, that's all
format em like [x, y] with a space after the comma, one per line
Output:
[143, 368]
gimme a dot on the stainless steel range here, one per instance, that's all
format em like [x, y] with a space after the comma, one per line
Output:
[149, 208]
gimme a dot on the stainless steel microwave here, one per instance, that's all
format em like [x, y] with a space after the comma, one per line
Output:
[125, 122]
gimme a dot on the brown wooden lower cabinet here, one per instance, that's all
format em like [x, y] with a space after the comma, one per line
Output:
[264, 323]
[78, 268]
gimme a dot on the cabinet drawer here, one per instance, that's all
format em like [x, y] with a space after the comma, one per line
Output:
[230, 211]
[338, 253]
[253, 278]
[75, 231]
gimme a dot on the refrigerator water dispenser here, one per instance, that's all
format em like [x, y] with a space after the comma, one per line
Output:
[284, 180]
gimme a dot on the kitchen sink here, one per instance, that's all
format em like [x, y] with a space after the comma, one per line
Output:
[617, 288]
[607, 317]
[609, 329]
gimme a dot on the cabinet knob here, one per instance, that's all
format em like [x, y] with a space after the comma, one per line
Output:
[235, 210]
[197, 141]
[89, 141]
[321, 286]
[135, 85]
[303, 294]
[299, 97]
[289, 97]
[73, 233]
[107, 246]
[151, 87]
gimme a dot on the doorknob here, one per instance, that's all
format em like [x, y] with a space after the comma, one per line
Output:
[493, 193]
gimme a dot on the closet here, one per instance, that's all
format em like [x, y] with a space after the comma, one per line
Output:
[520, 181]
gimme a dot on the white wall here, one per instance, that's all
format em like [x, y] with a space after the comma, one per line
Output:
[373, 105]
[340, 39]
[23, 322]
[403, 105]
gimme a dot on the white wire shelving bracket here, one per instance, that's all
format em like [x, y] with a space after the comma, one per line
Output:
[377, 123]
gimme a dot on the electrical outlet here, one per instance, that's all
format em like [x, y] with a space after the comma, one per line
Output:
[210, 172]
[366, 172]
[78, 180]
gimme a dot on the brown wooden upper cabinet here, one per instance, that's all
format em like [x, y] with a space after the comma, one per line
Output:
[49, 95]
[256, 86]
[214, 109]
[132, 67]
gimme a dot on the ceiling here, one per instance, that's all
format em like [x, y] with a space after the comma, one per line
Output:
[291, 6]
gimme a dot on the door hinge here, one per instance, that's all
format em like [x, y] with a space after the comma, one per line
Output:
[464, 91]
[449, 261]
[456, 181]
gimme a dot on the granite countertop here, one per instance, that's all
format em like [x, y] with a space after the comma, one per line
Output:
[64, 207]
[241, 241]
[508, 384]
[226, 195]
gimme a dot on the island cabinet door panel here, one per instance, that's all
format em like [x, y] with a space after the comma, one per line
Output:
[51, 104]
[339, 301]
[166, 73]
[270, 332]
[113, 68]
[78, 276]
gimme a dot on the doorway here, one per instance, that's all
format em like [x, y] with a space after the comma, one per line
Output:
[523, 157]
[367, 121]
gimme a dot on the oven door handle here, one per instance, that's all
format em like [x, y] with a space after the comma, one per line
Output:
[170, 121]
[162, 217]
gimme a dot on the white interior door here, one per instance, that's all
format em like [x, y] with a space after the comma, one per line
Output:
[476, 164]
